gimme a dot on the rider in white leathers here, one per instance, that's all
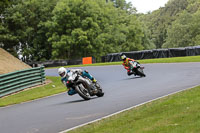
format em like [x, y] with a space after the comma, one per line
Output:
[64, 77]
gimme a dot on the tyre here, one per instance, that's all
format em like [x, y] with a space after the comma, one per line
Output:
[100, 92]
[140, 72]
[82, 91]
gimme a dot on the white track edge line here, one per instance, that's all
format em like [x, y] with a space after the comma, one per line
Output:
[125, 109]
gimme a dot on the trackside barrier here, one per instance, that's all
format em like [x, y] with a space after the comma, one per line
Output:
[155, 53]
[19, 80]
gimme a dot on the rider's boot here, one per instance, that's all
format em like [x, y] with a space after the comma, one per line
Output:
[71, 91]
[94, 81]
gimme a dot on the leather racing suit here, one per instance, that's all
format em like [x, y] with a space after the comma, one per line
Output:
[126, 65]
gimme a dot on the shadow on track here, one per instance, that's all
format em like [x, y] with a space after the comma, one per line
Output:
[81, 100]
[132, 78]
[76, 101]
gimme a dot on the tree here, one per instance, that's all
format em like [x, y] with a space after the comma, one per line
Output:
[24, 23]
[92, 28]
[158, 21]
[68, 29]
[184, 31]
[7, 41]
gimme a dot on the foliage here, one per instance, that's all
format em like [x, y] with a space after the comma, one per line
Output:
[185, 31]
[67, 29]
[159, 20]
[3, 5]
[93, 29]
[70, 29]
[23, 28]
[175, 25]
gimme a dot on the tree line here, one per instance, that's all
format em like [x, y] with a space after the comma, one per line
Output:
[175, 25]
[69, 29]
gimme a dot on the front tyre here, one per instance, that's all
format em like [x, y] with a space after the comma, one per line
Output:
[100, 92]
[82, 91]
[140, 72]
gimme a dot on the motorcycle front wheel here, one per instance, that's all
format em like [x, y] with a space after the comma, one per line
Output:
[100, 92]
[82, 91]
[140, 72]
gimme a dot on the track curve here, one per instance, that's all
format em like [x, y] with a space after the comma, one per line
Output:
[60, 112]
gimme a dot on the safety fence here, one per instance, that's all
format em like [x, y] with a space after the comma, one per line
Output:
[19, 80]
[155, 53]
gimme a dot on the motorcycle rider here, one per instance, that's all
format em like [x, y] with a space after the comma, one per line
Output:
[126, 64]
[64, 77]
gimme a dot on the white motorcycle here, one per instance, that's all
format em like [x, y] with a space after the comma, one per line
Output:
[136, 68]
[84, 86]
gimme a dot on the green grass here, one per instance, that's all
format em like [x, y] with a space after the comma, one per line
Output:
[50, 89]
[172, 60]
[178, 113]
[145, 61]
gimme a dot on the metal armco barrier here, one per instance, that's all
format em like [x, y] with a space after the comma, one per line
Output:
[19, 80]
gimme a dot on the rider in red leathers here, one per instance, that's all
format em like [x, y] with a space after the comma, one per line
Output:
[126, 64]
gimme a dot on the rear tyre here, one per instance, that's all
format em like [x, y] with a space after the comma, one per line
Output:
[82, 91]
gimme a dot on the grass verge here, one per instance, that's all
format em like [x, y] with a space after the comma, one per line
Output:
[145, 61]
[178, 113]
[50, 89]
[173, 60]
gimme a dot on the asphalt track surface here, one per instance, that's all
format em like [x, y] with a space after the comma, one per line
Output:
[60, 112]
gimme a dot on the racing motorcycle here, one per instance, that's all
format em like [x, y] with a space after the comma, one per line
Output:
[84, 86]
[136, 68]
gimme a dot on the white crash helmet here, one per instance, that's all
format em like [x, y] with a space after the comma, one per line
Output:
[123, 57]
[62, 72]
